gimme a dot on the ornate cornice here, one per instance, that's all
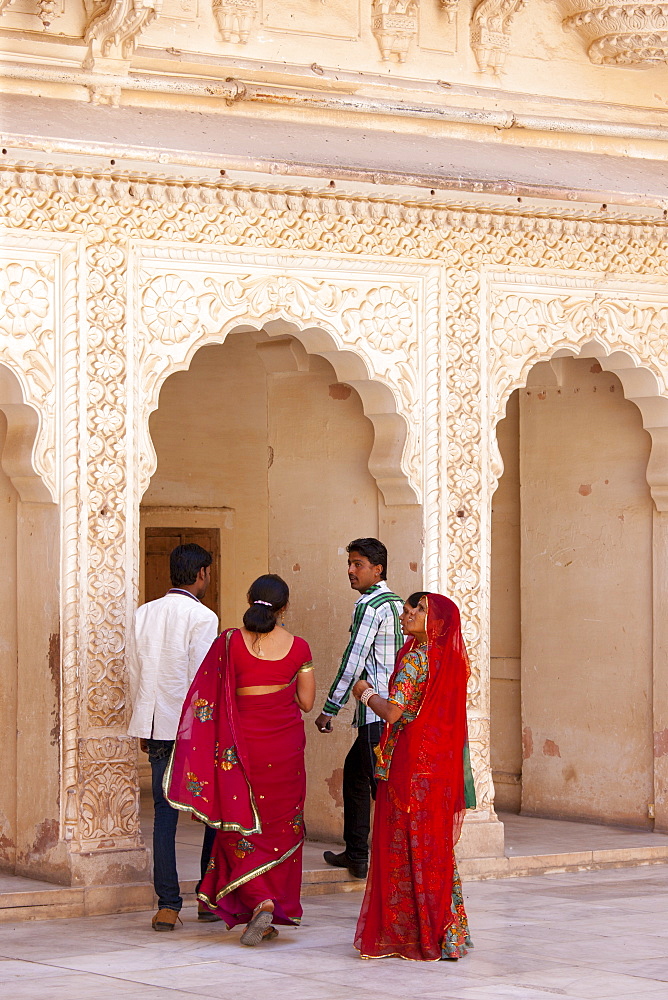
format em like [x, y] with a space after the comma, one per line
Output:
[620, 34]
[490, 32]
[129, 189]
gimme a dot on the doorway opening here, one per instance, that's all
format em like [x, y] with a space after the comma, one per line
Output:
[261, 441]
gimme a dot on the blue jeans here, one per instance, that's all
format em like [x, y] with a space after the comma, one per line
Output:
[165, 875]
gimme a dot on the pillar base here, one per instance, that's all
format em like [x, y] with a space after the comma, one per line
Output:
[482, 836]
[70, 867]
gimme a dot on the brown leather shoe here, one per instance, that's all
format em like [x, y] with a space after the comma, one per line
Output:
[165, 920]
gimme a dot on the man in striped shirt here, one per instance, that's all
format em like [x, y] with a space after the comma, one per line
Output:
[375, 639]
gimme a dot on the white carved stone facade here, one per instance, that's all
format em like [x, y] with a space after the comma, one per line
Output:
[429, 198]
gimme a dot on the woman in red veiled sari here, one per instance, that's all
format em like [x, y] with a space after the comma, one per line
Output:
[413, 906]
[238, 765]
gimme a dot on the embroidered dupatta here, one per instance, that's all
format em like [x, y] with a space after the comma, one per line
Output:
[208, 771]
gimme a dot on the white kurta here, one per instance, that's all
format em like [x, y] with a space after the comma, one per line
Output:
[171, 637]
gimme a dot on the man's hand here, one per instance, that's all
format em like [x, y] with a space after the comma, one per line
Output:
[360, 687]
[324, 723]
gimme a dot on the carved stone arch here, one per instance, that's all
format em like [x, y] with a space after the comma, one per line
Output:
[641, 386]
[625, 329]
[23, 425]
[378, 401]
[370, 321]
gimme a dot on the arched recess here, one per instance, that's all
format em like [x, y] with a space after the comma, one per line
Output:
[23, 425]
[276, 496]
[29, 654]
[642, 386]
[393, 462]
[584, 637]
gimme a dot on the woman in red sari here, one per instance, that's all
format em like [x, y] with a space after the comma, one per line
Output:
[238, 765]
[413, 906]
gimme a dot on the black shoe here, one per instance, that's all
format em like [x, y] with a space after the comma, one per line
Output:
[358, 869]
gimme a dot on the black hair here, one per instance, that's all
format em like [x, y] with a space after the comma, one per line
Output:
[414, 599]
[267, 596]
[185, 562]
[373, 550]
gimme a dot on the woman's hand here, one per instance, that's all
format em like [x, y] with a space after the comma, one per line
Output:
[359, 688]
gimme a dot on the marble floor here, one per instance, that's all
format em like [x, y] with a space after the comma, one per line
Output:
[579, 936]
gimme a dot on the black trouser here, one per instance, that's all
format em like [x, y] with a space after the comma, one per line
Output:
[359, 787]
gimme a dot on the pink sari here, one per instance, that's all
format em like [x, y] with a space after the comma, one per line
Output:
[238, 765]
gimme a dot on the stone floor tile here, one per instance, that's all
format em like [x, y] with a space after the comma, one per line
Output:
[532, 944]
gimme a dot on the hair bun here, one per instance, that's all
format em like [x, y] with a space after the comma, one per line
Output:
[268, 595]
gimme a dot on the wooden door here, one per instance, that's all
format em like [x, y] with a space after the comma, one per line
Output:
[159, 543]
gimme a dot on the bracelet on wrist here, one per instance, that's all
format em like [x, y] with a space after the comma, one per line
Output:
[366, 695]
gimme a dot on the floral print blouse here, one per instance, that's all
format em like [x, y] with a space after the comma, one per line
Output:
[407, 691]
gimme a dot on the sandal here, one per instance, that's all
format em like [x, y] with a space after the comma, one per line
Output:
[257, 925]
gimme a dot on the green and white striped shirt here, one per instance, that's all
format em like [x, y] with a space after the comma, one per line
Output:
[375, 640]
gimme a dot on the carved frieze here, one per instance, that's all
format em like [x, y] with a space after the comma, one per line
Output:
[115, 26]
[490, 32]
[395, 24]
[620, 34]
[235, 18]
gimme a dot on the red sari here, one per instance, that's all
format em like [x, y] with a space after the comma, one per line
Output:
[412, 906]
[238, 765]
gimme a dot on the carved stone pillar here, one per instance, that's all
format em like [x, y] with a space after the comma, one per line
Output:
[102, 793]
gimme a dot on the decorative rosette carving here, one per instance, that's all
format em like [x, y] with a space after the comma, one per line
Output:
[620, 34]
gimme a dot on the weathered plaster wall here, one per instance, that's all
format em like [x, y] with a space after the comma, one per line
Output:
[8, 663]
[505, 620]
[586, 558]
[38, 714]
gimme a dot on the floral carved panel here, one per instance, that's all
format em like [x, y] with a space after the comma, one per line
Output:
[371, 323]
[108, 793]
[30, 277]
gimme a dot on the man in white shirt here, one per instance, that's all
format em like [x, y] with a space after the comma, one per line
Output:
[169, 640]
